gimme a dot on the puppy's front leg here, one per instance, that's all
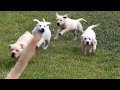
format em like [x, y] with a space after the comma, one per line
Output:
[85, 51]
[56, 37]
[94, 48]
[40, 42]
[64, 31]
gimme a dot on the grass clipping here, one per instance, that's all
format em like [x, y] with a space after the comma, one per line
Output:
[22, 62]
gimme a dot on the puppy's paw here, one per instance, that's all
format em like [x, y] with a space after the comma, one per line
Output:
[60, 34]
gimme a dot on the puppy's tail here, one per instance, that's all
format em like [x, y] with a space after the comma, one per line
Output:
[22, 62]
[81, 19]
[93, 26]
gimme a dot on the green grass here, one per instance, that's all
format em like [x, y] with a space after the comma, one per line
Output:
[64, 59]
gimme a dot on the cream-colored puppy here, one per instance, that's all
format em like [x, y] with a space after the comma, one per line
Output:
[66, 24]
[88, 40]
[43, 28]
[18, 47]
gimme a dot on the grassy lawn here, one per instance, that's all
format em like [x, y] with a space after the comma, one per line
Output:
[64, 59]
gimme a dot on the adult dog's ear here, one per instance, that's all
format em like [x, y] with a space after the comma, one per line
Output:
[21, 46]
[65, 16]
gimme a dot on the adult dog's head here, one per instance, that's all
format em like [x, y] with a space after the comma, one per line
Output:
[61, 19]
[16, 50]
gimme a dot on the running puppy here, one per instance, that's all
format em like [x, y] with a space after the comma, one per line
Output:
[45, 33]
[66, 24]
[88, 40]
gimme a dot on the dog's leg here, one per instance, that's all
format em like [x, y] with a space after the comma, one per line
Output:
[46, 44]
[80, 28]
[94, 49]
[75, 35]
[64, 31]
[85, 50]
[40, 42]
[43, 44]
[56, 37]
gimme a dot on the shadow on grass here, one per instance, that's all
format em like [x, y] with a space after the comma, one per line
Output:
[7, 63]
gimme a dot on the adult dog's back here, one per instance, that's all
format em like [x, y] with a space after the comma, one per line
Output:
[24, 59]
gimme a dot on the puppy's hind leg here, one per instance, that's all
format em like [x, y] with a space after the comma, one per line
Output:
[94, 49]
[57, 35]
[46, 44]
[75, 35]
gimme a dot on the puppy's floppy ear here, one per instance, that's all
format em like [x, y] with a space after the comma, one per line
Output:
[81, 38]
[57, 14]
[65, 16]
[10, 46]
[94, 41]
[21, 46]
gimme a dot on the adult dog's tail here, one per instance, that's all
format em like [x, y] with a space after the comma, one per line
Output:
[81, 19]
[22, 62]
[92, 26]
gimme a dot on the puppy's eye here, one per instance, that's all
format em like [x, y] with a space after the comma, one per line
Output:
[44, 26]
[17, 50]
[40, 25]
[85, 38]
[89, 39]
[60, 20]
[11, 49]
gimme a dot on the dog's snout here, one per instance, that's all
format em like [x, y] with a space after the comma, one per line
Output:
[58, 24]
[13, 55]
[87, 43]
[42, 30]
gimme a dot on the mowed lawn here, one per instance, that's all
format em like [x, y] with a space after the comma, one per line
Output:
[64, 58]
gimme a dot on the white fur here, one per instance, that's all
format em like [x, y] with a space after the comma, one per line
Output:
[66, 24]
[18, 47]
[45, 36]
[88, 40]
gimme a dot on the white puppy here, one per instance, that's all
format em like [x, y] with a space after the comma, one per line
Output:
[88, 40]
[43, 28]
[18, 47]
[66, 24]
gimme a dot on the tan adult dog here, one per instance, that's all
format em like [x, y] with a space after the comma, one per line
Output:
[22, 62]
[18, 47]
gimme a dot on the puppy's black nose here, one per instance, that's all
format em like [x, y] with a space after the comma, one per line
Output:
[13, 55]
[58, 24]
[42, 30]
[87, 43]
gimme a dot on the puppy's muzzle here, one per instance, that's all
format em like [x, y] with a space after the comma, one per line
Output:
[87, 43]
[13, 55]
[58, 24]
[42, 30]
